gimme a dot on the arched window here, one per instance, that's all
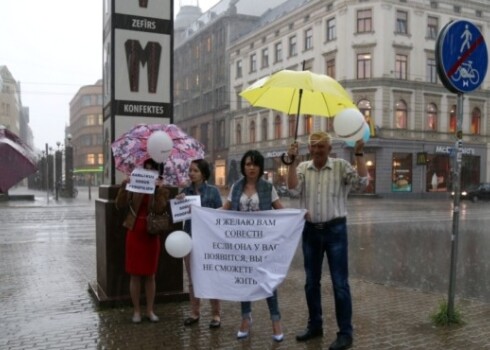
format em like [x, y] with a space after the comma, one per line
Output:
[264, 130]
[431, 117]
[252, 132]
[329, 124]
[453, 120]
[238, 134]
[277, 127]
[221, 134]
[475, 121]
[308, 119]
[401, 115]
[291, 125]
[365, 108]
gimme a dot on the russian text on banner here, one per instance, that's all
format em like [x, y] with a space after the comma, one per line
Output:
[242, 256]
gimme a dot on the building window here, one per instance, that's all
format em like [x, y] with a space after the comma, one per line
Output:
[365, 108]
[90, 160]
[264, 130]
[401, 22]
[238, 134]
[265, 58]
[221, 135]
[402, 172]
[252, 132]
[292, 46]
[100, 158]
[209, 44]
[431, 117]
[239, 71]
[291, 125]
[364, 21]
[475, 121]
[364, 66]
[91, 119]
[308, 119]
[329, 125]
[401, 115]
[401, 67]
[432, 27]
[431, 71]
[278, 52]
[453, 120]
[331, 33]
[308, 39]
[204, 135]
[277, 127]
[331, 68]
[253, 63]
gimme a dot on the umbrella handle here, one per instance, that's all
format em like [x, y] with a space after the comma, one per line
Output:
[288, 160]
[160, 171]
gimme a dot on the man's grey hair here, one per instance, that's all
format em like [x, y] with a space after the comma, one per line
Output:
[319, 136]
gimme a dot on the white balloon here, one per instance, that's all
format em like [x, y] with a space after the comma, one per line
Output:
[159, 146]
[365, 136]
[178, 244]
[349, 124]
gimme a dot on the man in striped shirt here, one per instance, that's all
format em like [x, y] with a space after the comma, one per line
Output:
[323, 185]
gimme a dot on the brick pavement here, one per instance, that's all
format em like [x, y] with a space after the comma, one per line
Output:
[47, 258]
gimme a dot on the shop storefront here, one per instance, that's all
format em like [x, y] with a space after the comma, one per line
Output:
[395, 167]
[422, 168]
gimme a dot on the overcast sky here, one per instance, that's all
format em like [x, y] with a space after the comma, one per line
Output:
[54, 47]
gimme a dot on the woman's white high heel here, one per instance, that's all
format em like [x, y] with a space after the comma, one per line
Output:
[244, 334]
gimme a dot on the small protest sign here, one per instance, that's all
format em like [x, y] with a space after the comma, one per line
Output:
[181, 208]
[142, 181]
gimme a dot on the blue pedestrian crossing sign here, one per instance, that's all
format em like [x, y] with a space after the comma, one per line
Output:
[461, 56]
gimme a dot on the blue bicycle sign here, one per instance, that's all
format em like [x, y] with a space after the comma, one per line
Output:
[466, 71]
[461, 56]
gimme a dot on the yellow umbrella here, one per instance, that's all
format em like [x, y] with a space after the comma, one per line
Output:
[300, 92]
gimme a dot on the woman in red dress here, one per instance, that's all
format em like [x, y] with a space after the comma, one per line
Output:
[142, 249]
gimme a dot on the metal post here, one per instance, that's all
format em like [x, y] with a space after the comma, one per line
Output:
[69, 171]
[89, 187]
[46, 181]
[57, 172]
[456, 188]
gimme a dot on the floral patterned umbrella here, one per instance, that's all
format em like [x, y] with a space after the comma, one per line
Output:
[130, 151]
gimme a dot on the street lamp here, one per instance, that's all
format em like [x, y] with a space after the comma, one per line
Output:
[57, 171]
[69, 166]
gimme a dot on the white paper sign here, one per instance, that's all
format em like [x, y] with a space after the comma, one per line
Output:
[242, 256]
[142, 181]
[181, 208]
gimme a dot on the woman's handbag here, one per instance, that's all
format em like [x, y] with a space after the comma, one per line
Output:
[157, 224]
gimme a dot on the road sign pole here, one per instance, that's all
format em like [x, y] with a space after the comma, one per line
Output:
[456, 208]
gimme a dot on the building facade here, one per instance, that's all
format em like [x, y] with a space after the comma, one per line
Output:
[85, 134]
[10, 103]
[383, 54]
[201, 72]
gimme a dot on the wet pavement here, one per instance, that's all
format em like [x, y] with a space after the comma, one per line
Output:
[399, 262]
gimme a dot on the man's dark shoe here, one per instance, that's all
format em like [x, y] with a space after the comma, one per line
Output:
[309, 334]
[341, 343]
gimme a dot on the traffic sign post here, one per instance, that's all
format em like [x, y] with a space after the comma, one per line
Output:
[462, 56]
[462, 62]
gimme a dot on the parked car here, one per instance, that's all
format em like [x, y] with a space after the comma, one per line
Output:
[476, 193]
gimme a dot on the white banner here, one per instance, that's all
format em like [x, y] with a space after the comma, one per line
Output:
[242, 256]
